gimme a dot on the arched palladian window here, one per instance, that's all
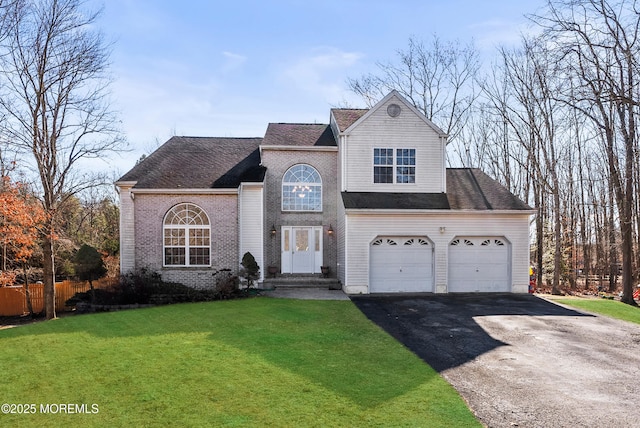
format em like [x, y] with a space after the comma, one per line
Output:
[187, 236]
[301, 189]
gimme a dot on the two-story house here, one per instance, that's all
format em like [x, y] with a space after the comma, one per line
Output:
[367, 195]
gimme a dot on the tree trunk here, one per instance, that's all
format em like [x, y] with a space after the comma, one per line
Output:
[48, 267]
[627, 261]
[557, 235]
[539, 235]
[636, 214]
[602, 228]
[27, 293]
[626, 231]
[613, 250]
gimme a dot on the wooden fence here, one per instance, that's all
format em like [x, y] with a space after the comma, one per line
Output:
[13, 300]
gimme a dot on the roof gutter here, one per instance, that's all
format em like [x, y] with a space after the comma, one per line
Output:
[300, 148]
[233, 191]
[372, 211]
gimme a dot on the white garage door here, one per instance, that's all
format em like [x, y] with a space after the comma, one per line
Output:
[401, 264]
[479, 264]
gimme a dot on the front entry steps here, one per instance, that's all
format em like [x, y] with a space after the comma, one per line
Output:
[301, 281]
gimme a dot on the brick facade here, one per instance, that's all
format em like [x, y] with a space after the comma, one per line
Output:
[277, 162]
[148, 211]
[222, 211]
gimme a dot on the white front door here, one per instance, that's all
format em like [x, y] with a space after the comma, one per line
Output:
[301, 249]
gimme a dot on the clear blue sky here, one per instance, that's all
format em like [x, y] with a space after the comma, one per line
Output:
[228, 68]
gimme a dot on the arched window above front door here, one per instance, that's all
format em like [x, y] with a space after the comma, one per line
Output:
[186, 236]
[301, 189]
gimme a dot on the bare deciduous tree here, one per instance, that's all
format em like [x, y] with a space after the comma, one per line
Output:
[54, 83]
[535, 119]
[598, 43]
[438, 79]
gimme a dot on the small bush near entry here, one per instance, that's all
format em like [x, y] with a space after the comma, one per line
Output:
[250, 269]
[144, 287]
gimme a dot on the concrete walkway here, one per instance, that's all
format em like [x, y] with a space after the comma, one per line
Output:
[305, 293]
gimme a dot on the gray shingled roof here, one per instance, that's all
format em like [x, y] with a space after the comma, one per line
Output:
[298, 134]
[345, 117]
[206, 162]
[472, 189]
[467, 189]
[400, 201]
[199, 163]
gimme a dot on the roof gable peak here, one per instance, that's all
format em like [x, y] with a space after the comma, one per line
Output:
[394, 94]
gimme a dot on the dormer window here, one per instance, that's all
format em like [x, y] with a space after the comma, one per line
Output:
[394, 165]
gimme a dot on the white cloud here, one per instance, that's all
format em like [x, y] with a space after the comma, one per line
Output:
[322, 72]
[492, 33]
[137, 16]
[233, 61]
[159, 97]
[156, 104]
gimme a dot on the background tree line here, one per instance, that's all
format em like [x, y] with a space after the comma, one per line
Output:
[92, 219]
[555, 120]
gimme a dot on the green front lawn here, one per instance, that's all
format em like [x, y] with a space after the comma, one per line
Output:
[256, 362]
[610, 308]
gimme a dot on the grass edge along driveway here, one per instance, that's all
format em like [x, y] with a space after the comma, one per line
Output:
[254, 362]
[606, 307]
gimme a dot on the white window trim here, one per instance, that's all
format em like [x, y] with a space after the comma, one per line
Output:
[186, 246]
[394, 166]
[283, 183]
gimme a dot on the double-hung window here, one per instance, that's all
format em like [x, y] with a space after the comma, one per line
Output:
[394, 165]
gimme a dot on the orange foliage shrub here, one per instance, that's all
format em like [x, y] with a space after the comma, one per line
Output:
[21, 215]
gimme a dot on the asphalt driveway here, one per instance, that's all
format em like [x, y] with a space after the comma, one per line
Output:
[519, 360]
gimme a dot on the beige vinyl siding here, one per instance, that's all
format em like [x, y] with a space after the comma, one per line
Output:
[341, 235]
[340, 214]
[364, 228]
[127, 229]
[252, 224]
[407, 131]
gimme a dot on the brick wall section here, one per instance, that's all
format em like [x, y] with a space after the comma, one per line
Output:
[277, 163]
[222, 210]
